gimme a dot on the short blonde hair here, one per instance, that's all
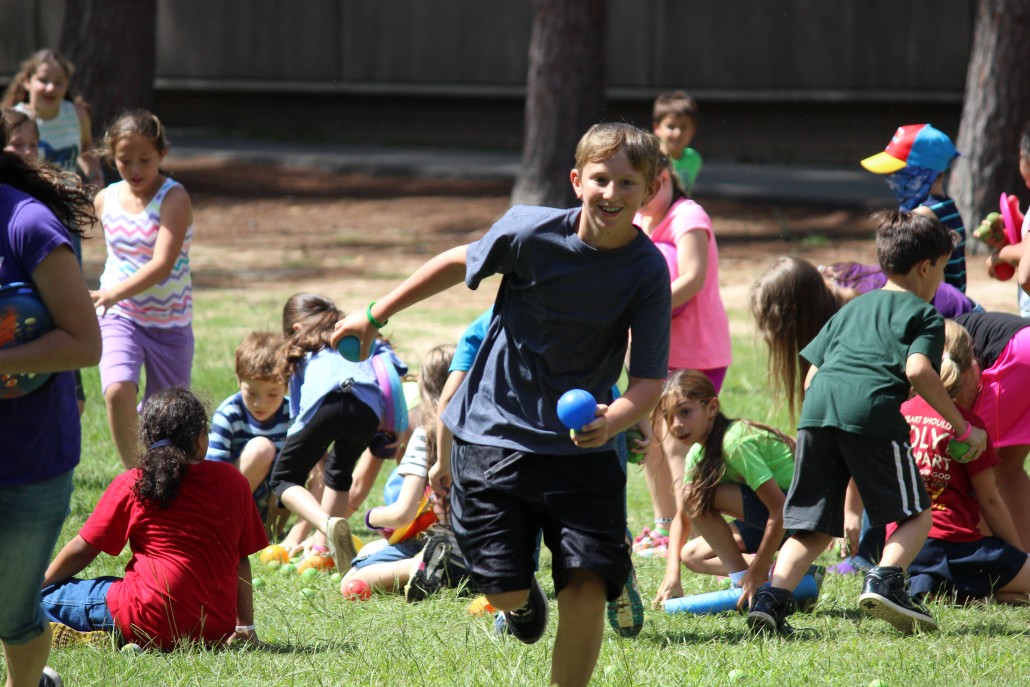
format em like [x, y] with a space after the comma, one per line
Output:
[602, 141]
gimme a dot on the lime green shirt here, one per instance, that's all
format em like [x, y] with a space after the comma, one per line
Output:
[753, 456]
[687, 167]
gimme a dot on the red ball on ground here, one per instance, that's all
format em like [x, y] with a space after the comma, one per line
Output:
[356, 590]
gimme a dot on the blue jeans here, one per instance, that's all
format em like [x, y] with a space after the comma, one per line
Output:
[31, 516]
[80, 604]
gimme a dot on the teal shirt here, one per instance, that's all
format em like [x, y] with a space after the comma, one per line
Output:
[752, 455]
[687, 167]
[861, 354]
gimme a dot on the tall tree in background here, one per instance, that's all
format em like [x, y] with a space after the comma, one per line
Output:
[996, 105]
[113, 44]
[564, 96]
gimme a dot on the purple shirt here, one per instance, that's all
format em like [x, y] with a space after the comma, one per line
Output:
[39, 432]
[949, 301]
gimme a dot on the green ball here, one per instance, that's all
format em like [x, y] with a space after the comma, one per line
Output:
[309, 573]
[335, 577]
[287, 569]
[308, 592]
[273, 565]
[877, 683]
[257, 583]
[132, 648]
[736, 675]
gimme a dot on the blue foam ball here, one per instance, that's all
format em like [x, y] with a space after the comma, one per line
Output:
[576, 408]
[350, 348]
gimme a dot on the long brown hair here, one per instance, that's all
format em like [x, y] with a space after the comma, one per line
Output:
[693, 385]
[790, 303]
[317, 317]
[431, 380]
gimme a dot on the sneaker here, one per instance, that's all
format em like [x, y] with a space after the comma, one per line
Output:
[626, 613]
[62, 636]
[341, 545]
[884, 596]
[430, 570]
[769, 609]
[50, 678]
[651, 542]
[526, 624]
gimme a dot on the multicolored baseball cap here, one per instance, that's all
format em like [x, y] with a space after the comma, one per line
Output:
[919, 145]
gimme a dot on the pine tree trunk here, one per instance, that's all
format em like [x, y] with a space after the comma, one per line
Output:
[113, 43]
[564, 96]
[995, 108]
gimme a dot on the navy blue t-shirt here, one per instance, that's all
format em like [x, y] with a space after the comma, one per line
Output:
[562, 320]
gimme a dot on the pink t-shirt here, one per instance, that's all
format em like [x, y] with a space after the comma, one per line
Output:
[181, 580]
[700, 334]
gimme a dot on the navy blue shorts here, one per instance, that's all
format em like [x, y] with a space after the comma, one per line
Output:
[970, 569]
[502, 499]
[756, 515]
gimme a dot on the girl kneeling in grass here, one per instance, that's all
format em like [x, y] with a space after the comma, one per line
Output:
[957, 558]
[733, 467]
[190, 525]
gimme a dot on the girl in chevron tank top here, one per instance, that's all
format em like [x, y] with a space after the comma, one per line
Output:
[145, 301]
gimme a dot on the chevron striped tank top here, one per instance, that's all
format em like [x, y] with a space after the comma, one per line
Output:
[131, 238]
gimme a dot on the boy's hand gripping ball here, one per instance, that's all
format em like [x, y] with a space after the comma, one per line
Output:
[576, 408]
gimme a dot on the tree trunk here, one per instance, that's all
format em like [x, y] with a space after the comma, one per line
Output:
[564, 96]
[995, 108]
[113, 44]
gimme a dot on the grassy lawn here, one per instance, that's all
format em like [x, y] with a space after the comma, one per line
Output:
[323, 640]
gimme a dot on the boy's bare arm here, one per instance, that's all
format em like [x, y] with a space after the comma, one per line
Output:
[927, 383]
[640, 397]
[438, 274]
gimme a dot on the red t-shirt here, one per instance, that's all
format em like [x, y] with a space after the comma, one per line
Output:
[956, 513]
[181, 581]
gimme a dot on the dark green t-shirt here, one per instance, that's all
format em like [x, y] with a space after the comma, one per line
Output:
[861, 354]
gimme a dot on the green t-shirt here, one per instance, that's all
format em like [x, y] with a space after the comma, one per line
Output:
[861, 355]
[687, 167]
[753, 456]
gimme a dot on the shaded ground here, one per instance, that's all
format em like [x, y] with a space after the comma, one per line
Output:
[261, 225]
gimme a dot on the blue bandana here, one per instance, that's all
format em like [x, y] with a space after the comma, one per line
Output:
[911, 185]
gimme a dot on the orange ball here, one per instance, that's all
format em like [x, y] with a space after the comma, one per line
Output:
[274, 553]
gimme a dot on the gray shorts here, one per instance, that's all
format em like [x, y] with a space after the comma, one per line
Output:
[827, 458]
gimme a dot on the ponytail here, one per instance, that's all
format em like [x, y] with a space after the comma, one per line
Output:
[172, 422]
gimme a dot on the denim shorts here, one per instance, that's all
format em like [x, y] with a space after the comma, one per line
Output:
[80, 604]
[31, 516]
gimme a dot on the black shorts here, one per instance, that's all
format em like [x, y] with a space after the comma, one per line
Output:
[970, 569]
[341, 420]
[756, 517]
[827, 458]
[501, 499]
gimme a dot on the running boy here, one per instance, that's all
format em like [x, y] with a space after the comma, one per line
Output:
[569, 296]
[863, 362]
[674, 121]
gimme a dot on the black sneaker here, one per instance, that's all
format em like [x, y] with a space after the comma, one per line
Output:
[50, 678]
[430, 574]
[526, 624]
[884, 596]
[769, 609]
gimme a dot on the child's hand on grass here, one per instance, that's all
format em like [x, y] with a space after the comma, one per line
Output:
[667, 589]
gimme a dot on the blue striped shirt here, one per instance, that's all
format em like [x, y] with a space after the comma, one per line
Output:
[946, 211]
[233, 426]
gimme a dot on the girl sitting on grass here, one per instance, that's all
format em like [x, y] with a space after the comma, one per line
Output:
[419, 562]
[190, 525]
[733, 467]
[957, 558]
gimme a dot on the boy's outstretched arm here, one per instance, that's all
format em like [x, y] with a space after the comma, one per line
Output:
[624, 412]
[927, 383]
[440, 273]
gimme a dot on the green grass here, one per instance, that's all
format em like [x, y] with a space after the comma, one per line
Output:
[326, 641]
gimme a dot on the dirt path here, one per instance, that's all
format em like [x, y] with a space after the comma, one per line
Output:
[258, 228]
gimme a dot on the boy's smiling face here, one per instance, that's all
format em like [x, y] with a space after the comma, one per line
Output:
[675, 132]
[612, 191]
